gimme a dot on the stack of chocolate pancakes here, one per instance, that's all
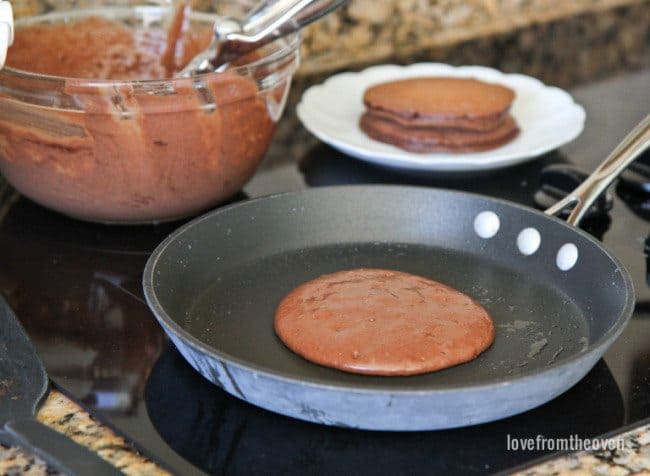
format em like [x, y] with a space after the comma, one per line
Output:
[439, 114]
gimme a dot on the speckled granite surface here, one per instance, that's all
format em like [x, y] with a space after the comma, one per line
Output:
[65, 416]
[370, 31]
[634, 458]
[15, 462]
[378, 30]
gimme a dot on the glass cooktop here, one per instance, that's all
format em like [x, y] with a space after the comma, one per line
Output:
[76, 288]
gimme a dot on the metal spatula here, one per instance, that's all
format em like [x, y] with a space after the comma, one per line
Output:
[23, 384]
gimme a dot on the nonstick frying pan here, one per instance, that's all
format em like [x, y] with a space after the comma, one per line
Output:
[214, 285]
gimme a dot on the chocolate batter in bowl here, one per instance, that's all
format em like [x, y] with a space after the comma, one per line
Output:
[105, 134]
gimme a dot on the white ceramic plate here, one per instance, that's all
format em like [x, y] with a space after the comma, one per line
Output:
[547, 116]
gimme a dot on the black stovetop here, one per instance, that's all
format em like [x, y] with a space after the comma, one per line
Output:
[76, 287]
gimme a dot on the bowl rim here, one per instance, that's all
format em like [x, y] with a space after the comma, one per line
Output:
[289, 46]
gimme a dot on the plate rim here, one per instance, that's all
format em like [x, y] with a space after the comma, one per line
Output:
[436, 162]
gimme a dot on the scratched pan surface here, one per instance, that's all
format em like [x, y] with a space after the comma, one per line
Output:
[214, 285]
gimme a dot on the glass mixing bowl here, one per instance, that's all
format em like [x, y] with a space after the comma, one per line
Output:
[140, 151]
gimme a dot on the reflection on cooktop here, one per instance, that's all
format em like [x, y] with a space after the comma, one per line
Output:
[640, 398]
[77, 293]
[76, 287]
[223, 435]
[646, 251]
[539, 183]
[323, 166]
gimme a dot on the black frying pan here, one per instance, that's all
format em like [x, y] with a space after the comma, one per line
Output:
[215, 283]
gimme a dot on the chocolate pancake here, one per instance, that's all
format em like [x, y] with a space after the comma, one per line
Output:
[478, 125]
[441, 102]
[421, 139]
[381, 322]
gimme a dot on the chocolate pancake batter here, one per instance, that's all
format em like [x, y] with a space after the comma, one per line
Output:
[381, 322]
[100, 48]
[123, 152]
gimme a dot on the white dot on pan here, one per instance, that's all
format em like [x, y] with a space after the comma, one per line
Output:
[528, 241]
[486, 224]
[567, 256]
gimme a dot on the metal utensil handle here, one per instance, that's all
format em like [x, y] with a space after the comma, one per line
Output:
[588, 191]
[268, 15]
[61, 452]
[271, 19]
[266, 22]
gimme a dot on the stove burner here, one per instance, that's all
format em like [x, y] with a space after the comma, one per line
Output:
[634, 186]
[223, 435]
[557, 181]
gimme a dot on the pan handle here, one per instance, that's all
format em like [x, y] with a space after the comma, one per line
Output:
[588, 191]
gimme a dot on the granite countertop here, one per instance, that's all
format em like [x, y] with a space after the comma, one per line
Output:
[634, 458]
[65, 416]
[557, 41]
